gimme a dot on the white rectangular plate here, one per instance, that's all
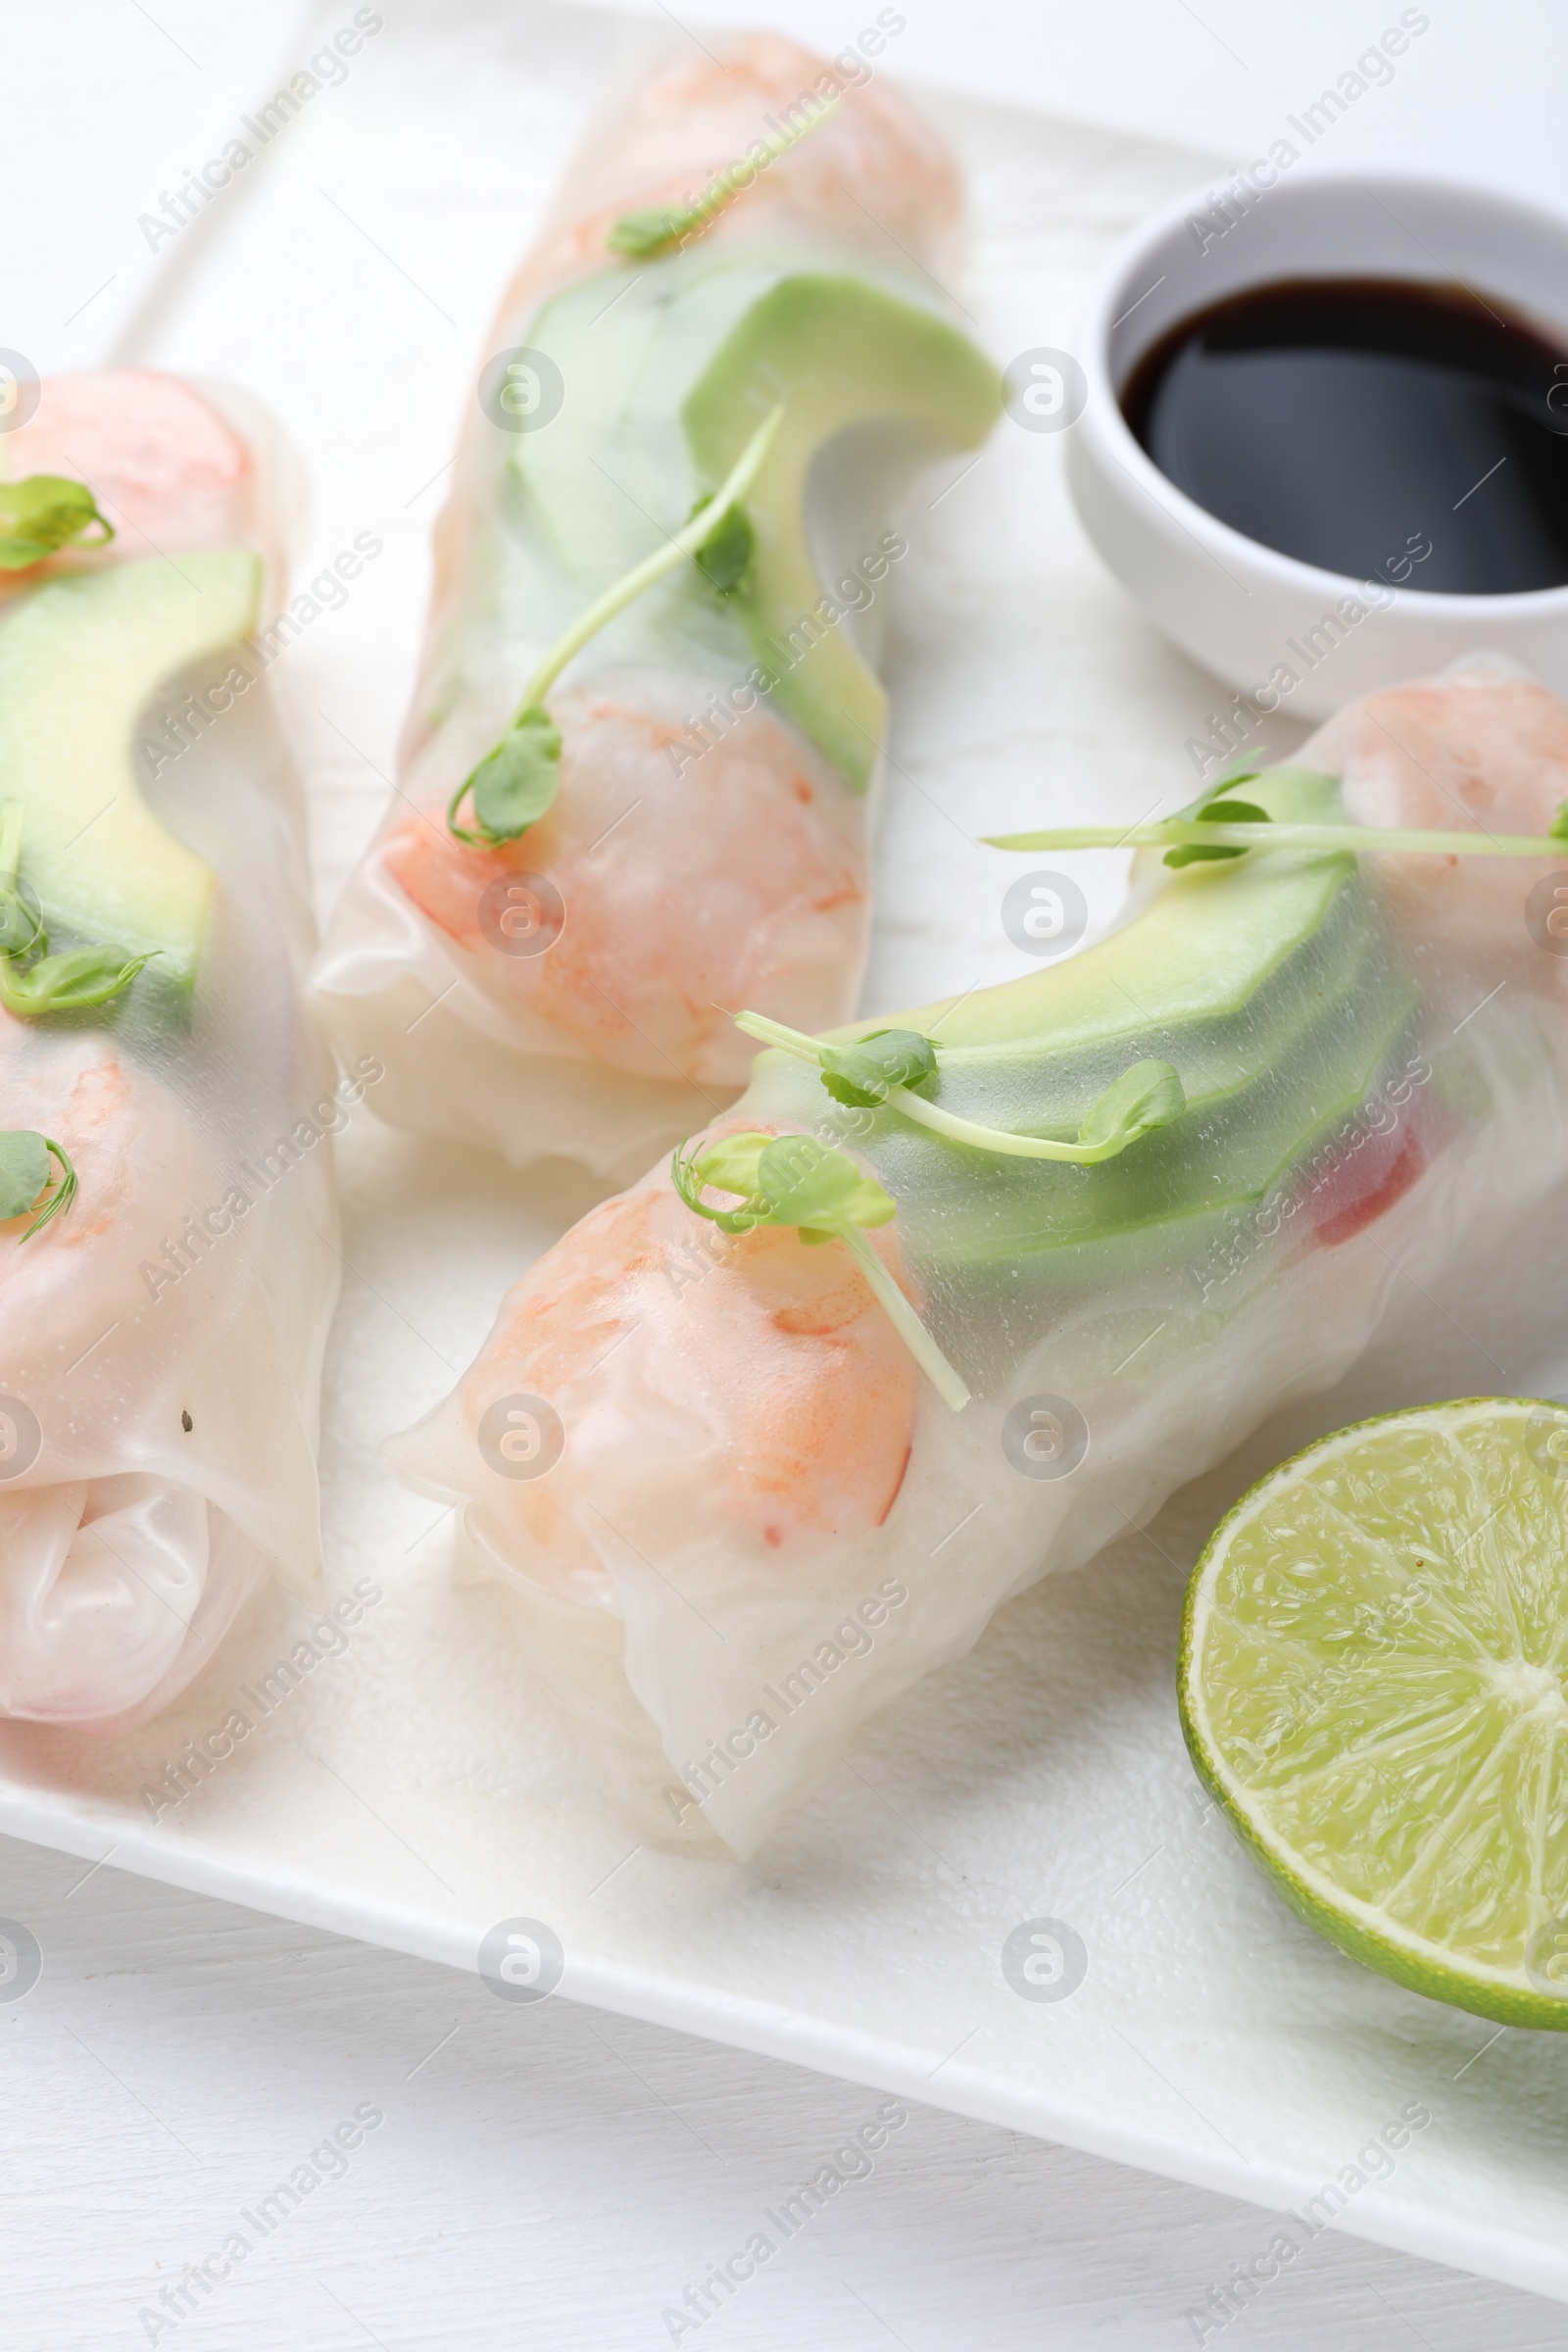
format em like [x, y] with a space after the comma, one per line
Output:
[418, 1787]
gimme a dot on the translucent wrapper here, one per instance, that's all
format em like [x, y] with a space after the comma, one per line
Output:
[161, 1338]
[562, 991]
[735, 1520]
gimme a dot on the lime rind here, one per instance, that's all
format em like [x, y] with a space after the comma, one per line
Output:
[1380, 1714]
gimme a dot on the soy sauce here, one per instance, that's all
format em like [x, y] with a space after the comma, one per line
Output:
[1380, 428]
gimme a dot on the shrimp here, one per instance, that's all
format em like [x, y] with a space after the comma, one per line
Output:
[132, 1150]
[101, 1574]
[701, 117]
[709, 842]
[1478, 747]
[743, 878]
[161, 1334]
[754, 1525]
[166, 470]
[743, 1393]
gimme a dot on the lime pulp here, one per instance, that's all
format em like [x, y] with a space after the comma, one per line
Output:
[1372, 1684]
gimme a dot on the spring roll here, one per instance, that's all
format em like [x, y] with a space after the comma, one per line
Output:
[947, 1300]
[167, 1260]
[637, 779]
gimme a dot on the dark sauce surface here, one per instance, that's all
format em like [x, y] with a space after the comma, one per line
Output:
[1381, 428]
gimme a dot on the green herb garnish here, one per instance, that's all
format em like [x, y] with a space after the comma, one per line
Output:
[1214, 826]
[21, 925]
[44, 512]
[1218, 813]
[26, 1174]
[1218, 829]
[1147, 1094]
[71, 982]
[727, 553]
[793, 1180]
[862, 1074]
[515, 782]
[1213, 807]
[1241, 772]
[783, 1180]
[642, 234]
[514, 785]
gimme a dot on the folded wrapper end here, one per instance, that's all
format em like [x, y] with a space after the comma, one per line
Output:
[575, 1645]
[402, 1455]
[115, 1593]
[577, 1650]
[197, 1265]
[412, 1460]
[388, 991]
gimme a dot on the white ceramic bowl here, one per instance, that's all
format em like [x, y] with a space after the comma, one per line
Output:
[1242, 610]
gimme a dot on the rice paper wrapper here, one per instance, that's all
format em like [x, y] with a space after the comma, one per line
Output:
[733, 1519]
[564, 993]
[161, 1342]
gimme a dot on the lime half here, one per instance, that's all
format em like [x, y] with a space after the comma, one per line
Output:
[1374, 1657]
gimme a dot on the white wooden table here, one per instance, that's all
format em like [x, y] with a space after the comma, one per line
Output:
[548, 2176]
[459, 2171]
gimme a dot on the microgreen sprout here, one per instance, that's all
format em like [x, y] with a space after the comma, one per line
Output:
[44, 512]
[517, 782]
[643, 234]
[727, 555]
[21, 925]
[783, 1180]
[796, 1181]
[1216, 807]
[1214, 825]
[28, 1180]
[1241, 772]
[74, 981]
[886, 1067]
[861, 1076]
[1223, 831]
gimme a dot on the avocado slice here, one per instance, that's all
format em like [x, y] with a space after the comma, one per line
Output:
[839, 353]
[80, 658]
[1199, 952]
[1268, 985]
[1275, 1030]
[666, 375]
